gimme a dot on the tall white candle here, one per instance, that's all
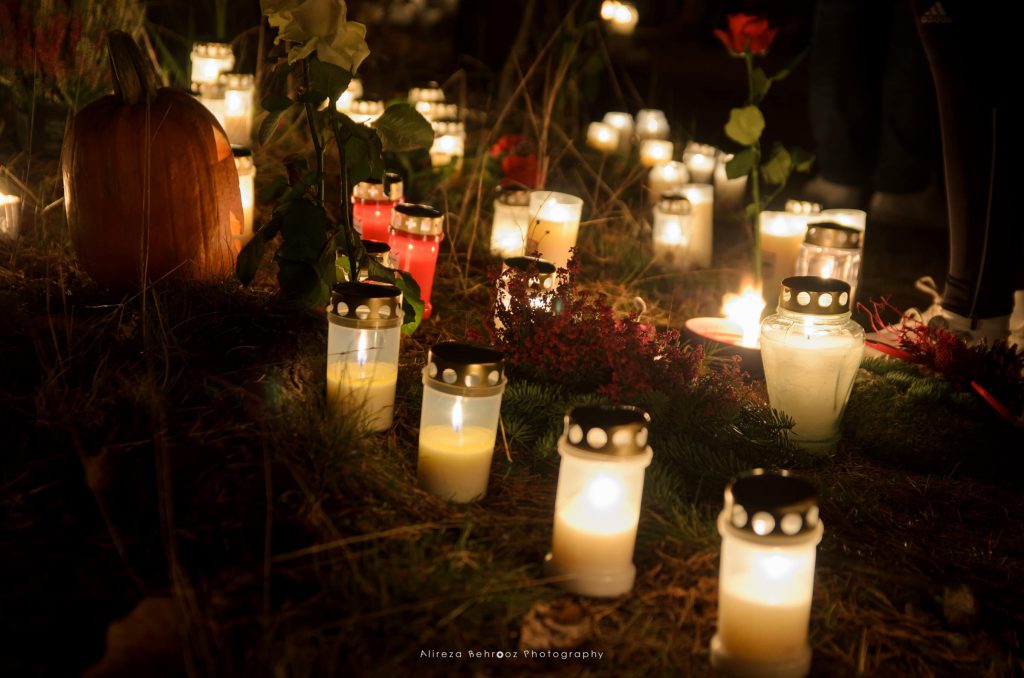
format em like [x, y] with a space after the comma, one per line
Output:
[10, 216]
[655, 152]
[602, 137]
[369, 387]
[702, 202]
[454, 465]
[782, 233]
[511, 223]
[209, 60]
[238, 94]
[673, 227]
[728, 192]
[555, 226]
[700, 161]
[668, 177]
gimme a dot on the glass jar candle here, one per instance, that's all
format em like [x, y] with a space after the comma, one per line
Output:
[831, 251]
[209, 60]
[376, 250]
[437, 110]
[702, 205]
[511, 221]
[247, 187]
[602, 137]
[426, 91]
[238, 94]
[415, 235]
[651, 124]
[668, 177]
[449, 145]
[554, 226]
[770, 532]
[673, 225]
[623, 123]
[844, 217]
[604, 454]
[462, 387]
[728, 192]
[811, 351]
[365, 110]
[782, 233]
[352, 92]
[700, 160]
[372, 204]
[211, 95]
[10, 215]
[364, 331]
[655, 152]
[539, 289]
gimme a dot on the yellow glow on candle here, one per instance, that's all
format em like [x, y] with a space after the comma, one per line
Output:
[457, 415]
[603, 491]
[744, 309]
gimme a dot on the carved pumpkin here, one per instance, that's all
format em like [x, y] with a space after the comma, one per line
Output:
[150, 185]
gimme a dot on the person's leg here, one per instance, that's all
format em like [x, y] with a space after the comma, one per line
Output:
[963, 49]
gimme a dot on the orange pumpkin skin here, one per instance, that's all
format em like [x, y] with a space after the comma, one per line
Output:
[142, 211]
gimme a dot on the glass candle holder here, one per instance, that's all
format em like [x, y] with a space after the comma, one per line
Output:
[782, 233]
[437, 110]
[449, 144]
[702, 204]
[651, 124]
[811, 351]
[10, 215]
[238, 94]
[539, 286]
[597, 506]
[555, 225]
[728, 192]
[247, 187]
[209, 60]
[623, 123]
[415, 235]
[700, 160]
[770, 532]
[844, 217]
[831, 251]
[655, 152]
[364, 331]
[602, 137]
[365, 110]
[673, 226]
[426, 91]
[462, 387]
[668, 177]
[352, 92]
[511, 221]
[372, 205]
[211, 95]
[376, 250]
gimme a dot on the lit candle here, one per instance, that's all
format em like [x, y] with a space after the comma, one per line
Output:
[673, 225]
[770, 531]
[462, 387]
[655, 152]
[811, 351]
[364, 331]
[449, 144]
[555, 225]
[668, 177]
[365, 110]
[651, 124]
[437, 110]
[539, 289]
[620, 17]
[623, 123]
[247, 187]
[604, 453]
[427, 91]
[352, 92]
[511, 221]
[782, 233]
[700, 161]
[702, 202]
[376, 250]
[602, 137]
[415, 235]
[238, 93]
[209, 60]
[844, 217]
[831, 251]
[10, 214]
[372, 203]
[728, 192]
[211, 95]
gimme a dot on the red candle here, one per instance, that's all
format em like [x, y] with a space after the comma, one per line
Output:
[372, 205]
[415, 235]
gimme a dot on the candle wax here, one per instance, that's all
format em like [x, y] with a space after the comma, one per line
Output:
[372, 218]
[756, 629]
[553, 239]
[417, 256]
[370, 386]
[588, 540]
[454, 464]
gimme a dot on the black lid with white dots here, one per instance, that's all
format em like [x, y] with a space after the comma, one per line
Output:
[614, 430]
[828, 234]
[465, 369]
[815, 296]
[772, 504]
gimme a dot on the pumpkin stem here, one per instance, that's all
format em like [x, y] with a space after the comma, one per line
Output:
[134, 80]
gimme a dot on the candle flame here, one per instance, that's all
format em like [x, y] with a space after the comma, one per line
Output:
[777, 567]
[826, 270]
[603, 491]
[361, 349]
[744, 309]
[457, 415]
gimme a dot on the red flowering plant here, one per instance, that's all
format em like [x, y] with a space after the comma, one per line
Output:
[516, 160]
[573, 337]
[53, 50]
[748, 37]
[995, 372]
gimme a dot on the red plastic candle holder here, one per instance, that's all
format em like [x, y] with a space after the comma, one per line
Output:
[415, 235]
[372, 206]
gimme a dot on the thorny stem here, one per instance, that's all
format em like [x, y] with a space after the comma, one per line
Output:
[755, 175]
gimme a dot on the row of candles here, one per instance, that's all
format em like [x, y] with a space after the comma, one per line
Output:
[769, 525]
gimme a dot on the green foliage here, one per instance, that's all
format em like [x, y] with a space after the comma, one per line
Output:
[401, 128]
[740, 164]
[745, 125]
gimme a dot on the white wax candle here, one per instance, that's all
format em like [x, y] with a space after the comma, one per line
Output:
[753, 626]
[667, 177]
[701, 197]
[591, 539]
[508, 230]
[209, 60]
[809, 377]
[10, 216]
[655, 152]
[602, 137]
[447, 148]
[782, 233]
[728, 192]
[556, 226]
[454, 464]
[370, 386]
[651, 124]
[700, 161]
[238, 109]
[623, 124]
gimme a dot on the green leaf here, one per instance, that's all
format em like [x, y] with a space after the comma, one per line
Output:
[249, 260]
[802, 160]
[277, 97]
[412, 305]
[745, 125]
[778, 167]
[751, 210]
[740, 164]
[269, 126]
[328, 80]
[357, 160]
[761, 84]
[304, 229]
[300, 282]
[401, 128]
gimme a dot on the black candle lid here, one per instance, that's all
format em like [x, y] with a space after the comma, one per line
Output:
[365, 301]
[615, 430]
[828, 234]
[815, 296]
[771, 504]
[465, 365]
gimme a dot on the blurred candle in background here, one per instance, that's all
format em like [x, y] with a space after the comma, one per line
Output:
[655, 152]
[209, 60]
[700, 161]
[702, 203]
[511, 221]
[602, 137]
[623, 123]
[247, 187]
[673, 226]
[651, 124]
[667, 177]
[238, 94]
[728, 192]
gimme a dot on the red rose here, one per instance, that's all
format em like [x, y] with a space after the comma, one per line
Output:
[506, 144]
[520, 169]
[747, 33]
